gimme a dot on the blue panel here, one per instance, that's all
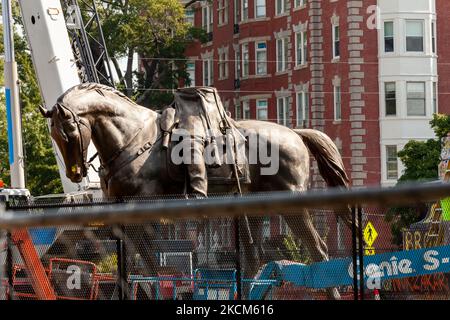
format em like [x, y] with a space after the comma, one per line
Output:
[339, 272]
[43, 236]
[10, 126]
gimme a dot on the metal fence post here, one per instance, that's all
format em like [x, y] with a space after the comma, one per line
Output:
[9, 266]
[361, 252]
[238, 258]
[121, 264]
[354, 255]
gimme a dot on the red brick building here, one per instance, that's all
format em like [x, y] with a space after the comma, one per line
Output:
[368, 73]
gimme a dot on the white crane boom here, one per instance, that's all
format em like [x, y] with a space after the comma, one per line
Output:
[56, 69]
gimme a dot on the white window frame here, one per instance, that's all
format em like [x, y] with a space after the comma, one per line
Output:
[393, 36]
[284, 63]
[391, 161]
[191, 71]
[237, 112]
[223, 65]
[222, 11]
[433, 37]
[189, 14]
[283, 7]
[208, 79]
[245, 60]
[337, 106]
[303, 46]
[424, 99]
[244, 17]
[259, 107]
[245, 109]
[299, 3]
[386, 99]
[257, 61]
[208, 10]
[435, 97]
[260, 6]
[302, 104]
[266, 228]
[237, 12]
[285, 120]
[237, 64]
[334, 26]
[423, 35]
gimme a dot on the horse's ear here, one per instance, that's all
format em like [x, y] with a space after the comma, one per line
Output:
[63, 112]
[45, 112]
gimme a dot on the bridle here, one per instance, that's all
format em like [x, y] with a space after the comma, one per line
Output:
[83, 146]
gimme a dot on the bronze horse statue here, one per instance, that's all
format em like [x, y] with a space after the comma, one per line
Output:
[119, 128]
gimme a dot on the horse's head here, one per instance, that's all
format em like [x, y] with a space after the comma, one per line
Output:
[72, 135]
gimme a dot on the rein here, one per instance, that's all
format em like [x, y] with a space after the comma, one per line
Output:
[111, 170]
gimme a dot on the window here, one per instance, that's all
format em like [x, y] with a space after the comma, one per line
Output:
[266, 228]
[336, 42]
[282, 54]
[261, 58]
[223, 65]
[280, 6]
[416, 98]
[390, 98]
[433, 37]
[236, 11]
[225, 231]
[299, 3]
[337, 103]
[283, 112]
[435, 97]
[244, 10]
[207, 18]
[284, 228]
[389, 36]
[414, 36]
[208, 72]
[190, 16]
[237, 112]
[246, 110]
[302, 109]
[237, 64]
[262, 109]
[391, 163]
[245, 60]
[300, 48]
[223, 12]
[190, 69]
[260, 8]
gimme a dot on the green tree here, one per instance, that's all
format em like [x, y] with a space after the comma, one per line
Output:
[421, 160]
[41, 171]
[157, 32]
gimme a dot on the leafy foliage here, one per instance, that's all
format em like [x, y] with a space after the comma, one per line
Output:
[157, 32]
[421, 160]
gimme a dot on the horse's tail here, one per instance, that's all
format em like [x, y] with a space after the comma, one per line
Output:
[325, 152]
[329, 161]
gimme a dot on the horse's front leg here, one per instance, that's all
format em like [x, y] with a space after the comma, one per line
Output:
[303, 228]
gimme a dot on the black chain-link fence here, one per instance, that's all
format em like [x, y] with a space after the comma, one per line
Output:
[260, 257]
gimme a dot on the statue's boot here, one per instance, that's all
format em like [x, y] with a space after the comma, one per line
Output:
[198, 180]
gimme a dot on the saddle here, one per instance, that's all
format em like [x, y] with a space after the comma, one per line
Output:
[199, 112]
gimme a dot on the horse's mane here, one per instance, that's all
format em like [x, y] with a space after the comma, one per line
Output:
[91, 86]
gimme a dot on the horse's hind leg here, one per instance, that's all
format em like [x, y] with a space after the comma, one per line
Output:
[303, 228]
[250, 252]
